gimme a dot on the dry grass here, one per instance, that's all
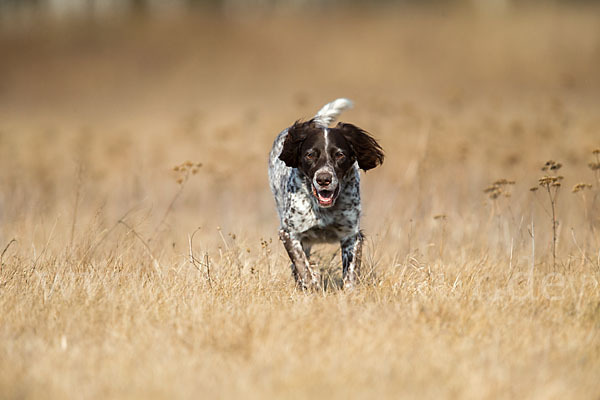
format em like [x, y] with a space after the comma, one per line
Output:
[100, 296]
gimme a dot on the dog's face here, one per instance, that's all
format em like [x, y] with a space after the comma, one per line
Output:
[326, 155]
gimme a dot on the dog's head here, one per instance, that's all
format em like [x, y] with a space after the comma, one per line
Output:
[326, 155]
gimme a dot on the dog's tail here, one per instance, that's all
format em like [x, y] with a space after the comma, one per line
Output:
[331, 111]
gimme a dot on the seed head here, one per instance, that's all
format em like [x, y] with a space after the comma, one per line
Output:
[551, 165]
[504, 181]
[581, 186]
[550, 180]
[498, 188]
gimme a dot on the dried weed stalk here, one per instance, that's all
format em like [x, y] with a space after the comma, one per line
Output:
[183, 172]
[595, 166]
[551, 183]
[498, 190]
[201, 266]
[442, 219]
[580, 189]
[499, 194]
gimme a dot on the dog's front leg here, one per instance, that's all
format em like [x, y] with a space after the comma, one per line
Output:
[305, 276]
[351, 255]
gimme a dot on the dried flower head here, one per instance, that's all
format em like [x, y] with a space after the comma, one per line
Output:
[551, 165]
[581, 186]
[499, 188]
[550, 181]
[503, 181]
[184, 169]
[439, 216]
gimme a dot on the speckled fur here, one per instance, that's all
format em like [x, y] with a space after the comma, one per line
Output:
[299, 210]
[304, 223]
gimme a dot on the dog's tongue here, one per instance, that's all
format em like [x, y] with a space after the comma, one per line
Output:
[325, 199]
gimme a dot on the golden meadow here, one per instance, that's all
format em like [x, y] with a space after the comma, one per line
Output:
[139, 238]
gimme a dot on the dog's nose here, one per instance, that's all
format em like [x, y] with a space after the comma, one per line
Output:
[323, 179]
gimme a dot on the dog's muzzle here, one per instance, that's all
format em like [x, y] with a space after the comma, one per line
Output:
[326, 188]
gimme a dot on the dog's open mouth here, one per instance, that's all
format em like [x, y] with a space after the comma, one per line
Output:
[325, 197]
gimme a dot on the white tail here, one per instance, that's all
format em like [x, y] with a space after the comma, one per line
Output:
[331, 111]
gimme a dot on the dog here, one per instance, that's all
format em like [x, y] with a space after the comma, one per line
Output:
[314, 177]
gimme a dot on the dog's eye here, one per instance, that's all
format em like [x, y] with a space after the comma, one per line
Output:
[339, 156]
[310, 156]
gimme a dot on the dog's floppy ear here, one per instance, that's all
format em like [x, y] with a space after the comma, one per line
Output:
[290, 153]
[366, 149]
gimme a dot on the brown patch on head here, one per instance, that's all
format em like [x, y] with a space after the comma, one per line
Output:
[355, 142]
[297, 134]
[368, 152]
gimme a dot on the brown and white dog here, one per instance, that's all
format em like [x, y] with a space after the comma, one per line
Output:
[314, 176]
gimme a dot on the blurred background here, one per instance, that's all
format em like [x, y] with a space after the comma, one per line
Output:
[100, 99]
[99, 8]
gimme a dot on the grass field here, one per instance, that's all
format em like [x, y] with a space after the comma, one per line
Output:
[123, 278]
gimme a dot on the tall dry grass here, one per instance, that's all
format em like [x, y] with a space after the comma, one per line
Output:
[124, 278]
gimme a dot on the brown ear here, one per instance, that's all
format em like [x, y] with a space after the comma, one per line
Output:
[290, 153]
[368, 152]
